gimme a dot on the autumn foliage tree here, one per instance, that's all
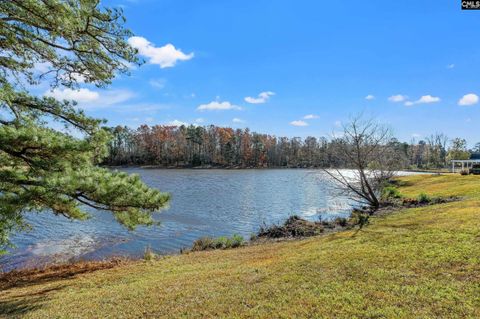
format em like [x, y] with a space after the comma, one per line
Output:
[189, 146]
[43, 169]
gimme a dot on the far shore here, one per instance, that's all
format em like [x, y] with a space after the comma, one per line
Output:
[208, 167]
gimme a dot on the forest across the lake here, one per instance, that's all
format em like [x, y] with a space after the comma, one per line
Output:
[215, 146]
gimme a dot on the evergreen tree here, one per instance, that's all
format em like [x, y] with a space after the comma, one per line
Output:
[42, 169]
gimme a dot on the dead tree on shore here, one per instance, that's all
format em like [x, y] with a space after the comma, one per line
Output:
[372, 156]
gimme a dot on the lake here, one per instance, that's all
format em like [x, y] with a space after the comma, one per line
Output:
[204, 203]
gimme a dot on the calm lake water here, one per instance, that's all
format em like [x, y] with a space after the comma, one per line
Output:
[204, 203]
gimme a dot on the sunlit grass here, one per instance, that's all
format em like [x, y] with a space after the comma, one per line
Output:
[416, 263]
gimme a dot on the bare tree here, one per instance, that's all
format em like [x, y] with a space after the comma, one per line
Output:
[369, 150]
[437, 149]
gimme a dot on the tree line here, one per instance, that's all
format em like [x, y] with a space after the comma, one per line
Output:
[201, 146]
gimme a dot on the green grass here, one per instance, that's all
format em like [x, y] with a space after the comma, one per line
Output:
[416, 263]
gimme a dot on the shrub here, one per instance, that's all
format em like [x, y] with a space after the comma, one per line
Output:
[203, 243]
[237, 241]
[224, 242]
[363, 220]
[341, 221]
[424, 198]
[390, 192]
[464, 172]
[148, 254]
[409, 202]
[326, 223]
[360, 218]
[294, 226]
[221, 242]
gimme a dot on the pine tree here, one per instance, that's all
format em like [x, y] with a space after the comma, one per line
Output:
[48, 170]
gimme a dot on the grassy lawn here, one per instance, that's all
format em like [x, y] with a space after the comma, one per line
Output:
[416, 263]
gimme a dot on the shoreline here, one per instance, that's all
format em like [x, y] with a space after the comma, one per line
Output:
[83, 262]
[61, 259]
[401, 253]
[93, 263]
[427, 171]
[207, 167]
[90, 265]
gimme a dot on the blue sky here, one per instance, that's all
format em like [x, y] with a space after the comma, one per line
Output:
[319, 58]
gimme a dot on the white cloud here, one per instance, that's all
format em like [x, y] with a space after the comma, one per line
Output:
[77, 77]
[426, 99]
[237, 120]
[450, 66]
[166, 56]
[217, 105]
[42, 67]
[397, 98]
[310, 117]
[80, 95]
[148, 108]
[199, 120]
[177, 123]
[338, 123]
[416, 135]
[299, 123]
[88, 99]
[262, 98]
[468, 99]
[74, 76]
[130, 65]
[158, 83]
[370, 97]
[114, 97]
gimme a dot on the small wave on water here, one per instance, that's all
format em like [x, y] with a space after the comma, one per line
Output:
[61, 250]
[333, 210]
[66, 248]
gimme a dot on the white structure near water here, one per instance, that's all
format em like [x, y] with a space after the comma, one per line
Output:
[466, 164]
